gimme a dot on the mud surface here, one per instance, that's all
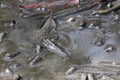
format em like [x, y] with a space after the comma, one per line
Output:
[95, 43]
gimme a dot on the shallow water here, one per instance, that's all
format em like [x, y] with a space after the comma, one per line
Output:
[80, 43]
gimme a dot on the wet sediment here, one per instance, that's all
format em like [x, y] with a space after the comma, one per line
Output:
[75, 46]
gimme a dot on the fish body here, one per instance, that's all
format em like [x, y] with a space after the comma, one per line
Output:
[53, 48]
[53, 5]
[36, 61]
[10, 56]
[2, 36]
[96, 69]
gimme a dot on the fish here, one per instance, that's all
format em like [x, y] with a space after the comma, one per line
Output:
[11, 56]
[53, 48]
[110, 48]
[3, 35]
[36, 61]
[96, 69]
[69, 7]
[110, 64]
[49, 25]
[53, 5]
[70, 70]
[44, 31]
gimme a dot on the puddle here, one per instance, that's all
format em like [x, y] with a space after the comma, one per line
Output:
[98, 41]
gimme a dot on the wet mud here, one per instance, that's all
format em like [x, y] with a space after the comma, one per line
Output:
[89, 43]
